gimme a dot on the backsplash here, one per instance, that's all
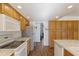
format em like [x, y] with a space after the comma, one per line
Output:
[9, 34]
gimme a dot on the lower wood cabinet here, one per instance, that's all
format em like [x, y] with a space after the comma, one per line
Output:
[29, 46]
[66, 53]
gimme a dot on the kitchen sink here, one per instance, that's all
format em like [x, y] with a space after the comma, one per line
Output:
[12, 45]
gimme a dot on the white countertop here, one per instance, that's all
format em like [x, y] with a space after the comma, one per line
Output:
[8, 52]
[23, 38]
[4, 52]
[70, 45]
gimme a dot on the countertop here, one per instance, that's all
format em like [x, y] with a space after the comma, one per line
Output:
[4, 52]
[22, 38]
[8, 52]
[70, 45]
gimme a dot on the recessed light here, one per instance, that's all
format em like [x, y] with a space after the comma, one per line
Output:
[57, 16]
[19, 7]
[28, 17]
[70, 6]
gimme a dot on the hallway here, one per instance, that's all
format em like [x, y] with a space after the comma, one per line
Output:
[41, 50]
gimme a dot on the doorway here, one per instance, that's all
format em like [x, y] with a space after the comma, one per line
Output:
[41, 32]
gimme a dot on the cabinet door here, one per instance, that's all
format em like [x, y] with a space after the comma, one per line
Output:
[16, 15]
[64, 29]
[70, 24]
[23, 23]
[0, 8]
[52, 25]
[78, 30]
[52, 32]
[70, 29]
[75, 29]
[58, 30]
[52, 37]
[7, 10]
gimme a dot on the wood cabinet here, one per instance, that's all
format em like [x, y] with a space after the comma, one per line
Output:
[8, 10]
[63, 30]
[58, 30]
[52, 32]
[52, 25]
[24, 23]
[66, 53]
[29, 46]
[0, 7]
[70, 29]
[76, 26]
[52, 37]
[78, 29]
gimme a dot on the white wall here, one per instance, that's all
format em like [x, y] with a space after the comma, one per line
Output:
[8, 23]
[11, 33]
[1, 22]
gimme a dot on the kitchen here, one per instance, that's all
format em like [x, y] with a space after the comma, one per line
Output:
[21, 31]
[11, 25]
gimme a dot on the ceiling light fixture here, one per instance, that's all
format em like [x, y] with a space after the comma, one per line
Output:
[70, 6]
[28, 17]
[57, 16]
[19, 7]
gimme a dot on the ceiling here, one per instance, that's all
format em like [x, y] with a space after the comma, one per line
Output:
[44, 11]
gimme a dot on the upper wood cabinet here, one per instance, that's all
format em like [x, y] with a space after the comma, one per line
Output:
[8, 10]
[23, 23]
[62, 30]
[0, 7]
